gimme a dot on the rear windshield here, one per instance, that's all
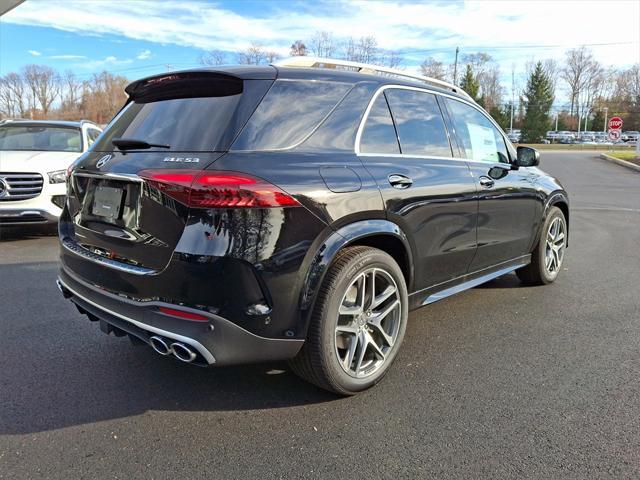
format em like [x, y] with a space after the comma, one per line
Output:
[40, 138]
[289, 113]
[192, 118]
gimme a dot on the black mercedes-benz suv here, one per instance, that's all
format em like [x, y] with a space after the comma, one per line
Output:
[251, 214]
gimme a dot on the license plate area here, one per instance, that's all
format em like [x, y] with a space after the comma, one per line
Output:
[108, 203]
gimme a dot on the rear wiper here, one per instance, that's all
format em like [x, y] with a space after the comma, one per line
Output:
[135, 144]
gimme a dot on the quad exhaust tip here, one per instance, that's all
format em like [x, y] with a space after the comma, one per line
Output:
[182, 352]
[160, 346]
[179, 350]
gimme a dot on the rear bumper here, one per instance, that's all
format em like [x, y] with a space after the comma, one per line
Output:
[217, 341]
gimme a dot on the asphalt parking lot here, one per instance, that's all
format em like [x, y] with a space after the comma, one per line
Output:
[502, 381]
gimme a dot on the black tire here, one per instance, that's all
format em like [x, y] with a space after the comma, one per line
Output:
[537, 273]
[318, 362]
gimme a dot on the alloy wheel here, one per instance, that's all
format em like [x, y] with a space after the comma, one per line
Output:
[555, 245]
[368, 322]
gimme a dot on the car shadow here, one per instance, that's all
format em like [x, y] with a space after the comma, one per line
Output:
[59, 370]
[73, 389]
[26, 232]
[509, 280]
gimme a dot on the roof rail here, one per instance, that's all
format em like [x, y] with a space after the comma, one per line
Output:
[315, 62]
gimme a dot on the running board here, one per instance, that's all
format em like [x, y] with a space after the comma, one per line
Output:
[447, 292]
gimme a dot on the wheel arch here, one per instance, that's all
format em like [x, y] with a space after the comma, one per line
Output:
[382, 234]
[560, 200]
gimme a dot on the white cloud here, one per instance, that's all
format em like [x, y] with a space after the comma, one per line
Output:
[35, 53]
[107, 62]
[505, 29]
[67, 57]
[144, 54]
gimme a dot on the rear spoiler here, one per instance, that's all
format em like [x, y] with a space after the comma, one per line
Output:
[196, 83]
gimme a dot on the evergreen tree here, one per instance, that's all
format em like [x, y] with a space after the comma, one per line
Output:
[538, 99]
[470, 84]
[597, 122]
[502, 115]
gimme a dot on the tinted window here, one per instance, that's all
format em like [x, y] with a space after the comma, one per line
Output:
[92, 135]
[289, 113]
[186, 124]
[379, 134]
[419, 123]
[480, 139]
[40, 138]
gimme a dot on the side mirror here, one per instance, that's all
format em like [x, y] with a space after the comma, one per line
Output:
[527, 157]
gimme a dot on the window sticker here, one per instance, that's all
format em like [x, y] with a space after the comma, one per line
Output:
[483, 143]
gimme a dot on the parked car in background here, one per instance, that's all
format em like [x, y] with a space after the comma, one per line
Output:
[514, 135]
[34, 158]
[630, 136]
[296, 212]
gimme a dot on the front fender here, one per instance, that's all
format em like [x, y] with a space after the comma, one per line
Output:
[325, 254]
[555, 198]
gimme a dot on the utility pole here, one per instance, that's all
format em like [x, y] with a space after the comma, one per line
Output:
[455, 68]
[556, 122]
[513, 96]
[606, 112]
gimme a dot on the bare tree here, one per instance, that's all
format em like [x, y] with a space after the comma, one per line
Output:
[298, 49]
[479, 63]
[490, 87]
[13, 95]
[593, 88]
[213, 58]
[70, 94]
[391, 59]
[271, 56]
[103, 96]
[580, 66]
[487, 73]
[433, 68]
[255, 54]
[627, 85]
[364, 50]
[322, 44]
[44, 84]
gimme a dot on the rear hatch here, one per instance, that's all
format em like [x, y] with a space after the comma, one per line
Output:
[179, 122]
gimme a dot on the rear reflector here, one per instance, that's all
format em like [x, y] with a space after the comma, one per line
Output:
[182, 314]
[217, 189]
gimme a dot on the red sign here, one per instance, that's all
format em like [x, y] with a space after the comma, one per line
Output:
[615, 123]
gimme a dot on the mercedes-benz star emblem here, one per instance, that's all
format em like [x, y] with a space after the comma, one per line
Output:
[101, 163]
[4, 188]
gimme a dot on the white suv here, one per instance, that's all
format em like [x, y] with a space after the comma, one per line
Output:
[34, 157]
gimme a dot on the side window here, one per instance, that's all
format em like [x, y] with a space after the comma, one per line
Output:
[418, 118]
[289, 112]
[379, 134]
[480, 139]
[92, 135]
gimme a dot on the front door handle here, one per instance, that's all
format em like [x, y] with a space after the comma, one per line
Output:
[400, 181]
[486, 182]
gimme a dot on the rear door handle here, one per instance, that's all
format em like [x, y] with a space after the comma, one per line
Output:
[486, 182]
[400, 181]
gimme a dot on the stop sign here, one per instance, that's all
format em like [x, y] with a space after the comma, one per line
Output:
[615, 123]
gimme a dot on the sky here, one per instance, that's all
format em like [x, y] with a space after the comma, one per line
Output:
[136, 38]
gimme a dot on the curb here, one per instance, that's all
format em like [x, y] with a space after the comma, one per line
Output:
[624, 163]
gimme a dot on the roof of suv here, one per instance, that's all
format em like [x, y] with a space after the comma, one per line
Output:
[50, 123]
[271, 72]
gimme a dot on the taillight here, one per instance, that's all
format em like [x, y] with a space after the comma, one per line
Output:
[217, 189]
